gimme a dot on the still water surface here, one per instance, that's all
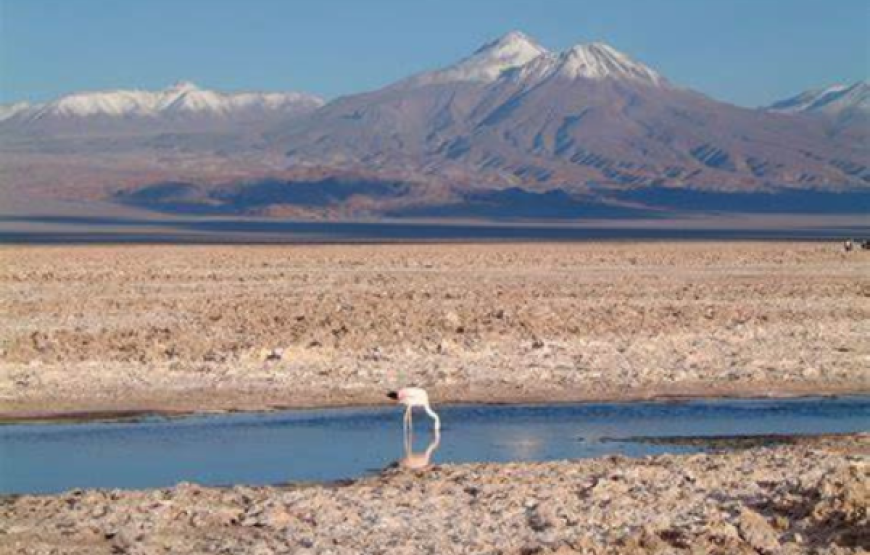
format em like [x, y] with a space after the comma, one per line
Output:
[334, 444]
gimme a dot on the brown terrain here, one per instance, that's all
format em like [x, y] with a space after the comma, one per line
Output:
[810, 497]
[198, 328]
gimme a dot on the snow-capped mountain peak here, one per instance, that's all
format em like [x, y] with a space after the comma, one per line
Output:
[831, 100]
[110, 103]
[515, 55]
[183, 87]
[596, 60]
[487, 63]
[514, 46]
[179, 100]
[189, 99]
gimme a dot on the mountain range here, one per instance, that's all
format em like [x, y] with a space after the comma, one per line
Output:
[511, 125]
[183, 106]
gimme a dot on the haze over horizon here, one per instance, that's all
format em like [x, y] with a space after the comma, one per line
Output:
[335, 48]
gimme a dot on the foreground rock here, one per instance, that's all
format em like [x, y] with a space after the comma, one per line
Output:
[811, 497]
[248, 327]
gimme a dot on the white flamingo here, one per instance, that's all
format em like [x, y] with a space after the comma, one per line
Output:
[414, 397]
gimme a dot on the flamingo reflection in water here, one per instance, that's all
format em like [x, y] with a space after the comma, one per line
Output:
[421, 459]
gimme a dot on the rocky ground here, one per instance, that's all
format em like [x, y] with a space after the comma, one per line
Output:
[810, 497]
[108, 328]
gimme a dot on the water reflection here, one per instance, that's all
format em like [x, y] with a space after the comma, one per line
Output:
[523, 447]
[418, 460]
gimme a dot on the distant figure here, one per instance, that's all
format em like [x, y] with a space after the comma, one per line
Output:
[414, 397]
[852, 244]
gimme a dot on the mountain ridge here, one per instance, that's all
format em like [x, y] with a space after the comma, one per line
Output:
[833, 100]
[183, 99]
[512, 122]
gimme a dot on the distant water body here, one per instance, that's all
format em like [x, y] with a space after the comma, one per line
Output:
[322, 445]
[71, 230]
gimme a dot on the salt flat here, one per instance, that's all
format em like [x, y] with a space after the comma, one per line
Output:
[189, 328]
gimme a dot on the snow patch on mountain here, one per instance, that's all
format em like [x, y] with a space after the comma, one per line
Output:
[180, 99]
[9, 110]
[515, 55]
[589, 61]
[487, 63]
[832, 100]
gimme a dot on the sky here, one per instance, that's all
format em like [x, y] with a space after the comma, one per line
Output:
[748, 52]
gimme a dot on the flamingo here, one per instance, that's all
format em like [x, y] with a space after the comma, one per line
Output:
[414, 397]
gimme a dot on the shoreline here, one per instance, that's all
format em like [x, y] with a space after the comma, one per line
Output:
[809, 496]
[700, 392]
[146, 228]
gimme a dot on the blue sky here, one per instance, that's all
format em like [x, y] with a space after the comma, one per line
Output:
[749, 52]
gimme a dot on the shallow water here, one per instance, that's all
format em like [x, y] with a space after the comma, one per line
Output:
[334, 444]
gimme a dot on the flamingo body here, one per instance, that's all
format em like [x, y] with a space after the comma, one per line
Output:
[414, 397]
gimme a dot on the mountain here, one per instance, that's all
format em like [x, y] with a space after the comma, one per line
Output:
[511, 129]
[844, 110]
[184, 106]
[832, 101]
[587, 118]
